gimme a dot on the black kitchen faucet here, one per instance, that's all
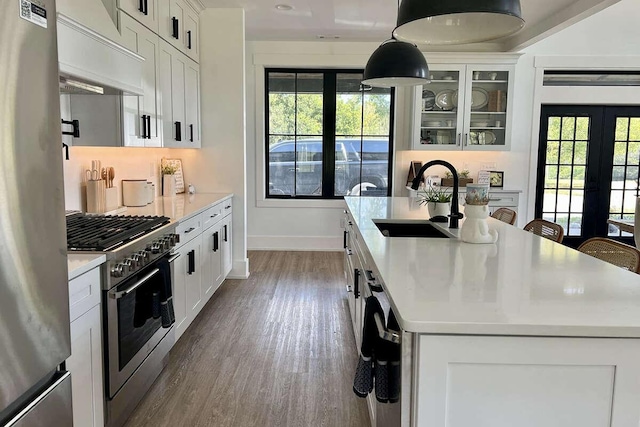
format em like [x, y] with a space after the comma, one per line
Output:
[455, 211]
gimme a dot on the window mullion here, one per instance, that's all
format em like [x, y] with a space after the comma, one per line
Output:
[329, 101]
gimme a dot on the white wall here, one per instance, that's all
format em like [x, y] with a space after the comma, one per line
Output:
[290, 225]
[221, 162]
[129, 163]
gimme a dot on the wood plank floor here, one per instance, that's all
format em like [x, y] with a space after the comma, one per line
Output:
[274, 350]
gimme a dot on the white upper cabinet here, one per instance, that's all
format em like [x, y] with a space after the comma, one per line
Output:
[143, 11]
[192, 35]
[180, 89]
[179, 26]
[142, 124]
[465, 107]
[192, 97]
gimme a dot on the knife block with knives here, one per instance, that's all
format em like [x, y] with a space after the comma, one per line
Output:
[102, 196]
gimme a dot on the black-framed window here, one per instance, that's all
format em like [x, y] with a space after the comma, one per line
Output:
[327, 135]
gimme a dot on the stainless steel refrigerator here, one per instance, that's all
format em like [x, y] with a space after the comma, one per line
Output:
[34, 296]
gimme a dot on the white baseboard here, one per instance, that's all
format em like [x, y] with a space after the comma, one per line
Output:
[295, 243]
[240, 270]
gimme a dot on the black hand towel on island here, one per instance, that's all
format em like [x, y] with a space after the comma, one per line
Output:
[363, 381]
[166, 298]
[394, 361]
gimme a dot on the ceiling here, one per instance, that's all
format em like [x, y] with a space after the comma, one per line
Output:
[373, 20]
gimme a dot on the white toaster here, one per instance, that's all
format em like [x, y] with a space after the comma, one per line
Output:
[135, 192]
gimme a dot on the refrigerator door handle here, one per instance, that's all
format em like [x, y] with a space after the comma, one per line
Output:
[39, 399]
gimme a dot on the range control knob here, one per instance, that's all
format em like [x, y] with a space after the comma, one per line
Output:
[155, 247]
[143, 257]
[135, 260]
[126, 267]
[117, 270]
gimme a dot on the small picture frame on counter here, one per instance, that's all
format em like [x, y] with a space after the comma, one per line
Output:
[414, 168]
[178, 174]
[496, 179]
[484, 177]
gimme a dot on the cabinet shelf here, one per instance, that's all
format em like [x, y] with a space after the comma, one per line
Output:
[439, 112]
[445, 81]
[490, 81]
[488, 112]
[486, 127]
[437, 127]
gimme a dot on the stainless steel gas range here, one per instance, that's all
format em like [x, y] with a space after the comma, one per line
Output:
[137, 304]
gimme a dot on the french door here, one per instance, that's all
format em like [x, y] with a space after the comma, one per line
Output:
[588, 164]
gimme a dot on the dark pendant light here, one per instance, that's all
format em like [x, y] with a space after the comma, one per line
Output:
[443, 22]
[395, 63]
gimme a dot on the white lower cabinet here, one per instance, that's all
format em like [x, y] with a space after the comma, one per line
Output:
[503, 381]
[187, 288]
[211, 260]
[227, 249]
[85, 362]
[205, 261]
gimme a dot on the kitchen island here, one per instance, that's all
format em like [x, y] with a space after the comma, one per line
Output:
[523, 332]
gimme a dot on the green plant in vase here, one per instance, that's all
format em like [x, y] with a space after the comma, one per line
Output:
[168, 179]
[437, 199]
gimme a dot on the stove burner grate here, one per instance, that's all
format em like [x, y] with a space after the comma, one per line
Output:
[101, 233]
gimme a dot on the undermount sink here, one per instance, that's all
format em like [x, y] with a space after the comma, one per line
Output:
[409, 229]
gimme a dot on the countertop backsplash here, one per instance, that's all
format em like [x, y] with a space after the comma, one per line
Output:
[129, 163]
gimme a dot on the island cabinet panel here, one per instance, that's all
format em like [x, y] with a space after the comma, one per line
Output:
[527, 382]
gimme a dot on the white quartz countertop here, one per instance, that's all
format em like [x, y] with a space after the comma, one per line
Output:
[79, 264]
[522, 285]
[180, 206]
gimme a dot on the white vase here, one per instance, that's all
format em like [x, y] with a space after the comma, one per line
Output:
[436, 209]
[475, 228]
[168, 185]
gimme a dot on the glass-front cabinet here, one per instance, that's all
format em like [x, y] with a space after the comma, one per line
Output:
[465, 107]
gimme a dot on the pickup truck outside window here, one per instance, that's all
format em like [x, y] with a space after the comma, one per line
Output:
[328, 136]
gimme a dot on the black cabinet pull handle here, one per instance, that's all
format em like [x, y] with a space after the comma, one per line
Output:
[189, 39]
[144, 127]
[191, 131]
[146, 7]
[226, 237]
[178, 131]
[356, 283]
[216, 243]
[192, 262]
[344, 244]
[176, 28]
[148, 127]
[76, 128]
[141, 6]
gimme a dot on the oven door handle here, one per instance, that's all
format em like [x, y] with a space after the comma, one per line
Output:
[119, 294]
[173, 258]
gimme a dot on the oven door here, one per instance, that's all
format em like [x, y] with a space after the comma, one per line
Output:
[134, 324]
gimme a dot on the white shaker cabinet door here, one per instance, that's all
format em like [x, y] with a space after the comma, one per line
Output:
[192, 35]
[143, 11]
[172, 87]
[193, 254]
[85, 365]
[192, 98]
[211, 260]
[142, 125]
[227, 246]
[180, 292]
